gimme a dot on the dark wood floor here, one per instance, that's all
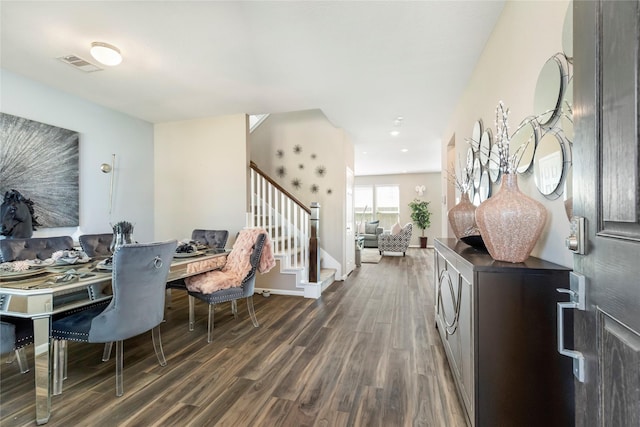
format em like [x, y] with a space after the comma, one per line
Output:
[365, 354]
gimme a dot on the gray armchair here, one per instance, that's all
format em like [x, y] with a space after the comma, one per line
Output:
[139, 275]
[396, 243]
[33, 248]
[371, 232]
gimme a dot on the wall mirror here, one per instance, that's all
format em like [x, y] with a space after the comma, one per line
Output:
[568, 192]
[476, 134]
[567, 33]
[485, 186]
[470, 158]
[477, 171]
[476, 198]
[471, 192]
[523, 144]
[494, 163]
[566, 111]
[485, 147]
[549, 88]
[549, 165]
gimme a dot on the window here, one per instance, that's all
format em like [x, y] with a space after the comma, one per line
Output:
[385, 206]
[387, 203]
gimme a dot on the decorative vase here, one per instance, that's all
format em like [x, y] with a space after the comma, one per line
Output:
[510, 222]
[462, 217]
[122, 235]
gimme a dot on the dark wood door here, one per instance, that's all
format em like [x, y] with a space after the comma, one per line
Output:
[607, 194]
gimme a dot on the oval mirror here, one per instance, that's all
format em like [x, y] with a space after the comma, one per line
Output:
[494, 163]
[566, 112]
[477, 171]
[523, 145]
[567, 33]
[471, 192]
[476, 199]
[548, 165]
[485, 186]
[546, 101]
[485, 147]
[476, 135]
[568, 192]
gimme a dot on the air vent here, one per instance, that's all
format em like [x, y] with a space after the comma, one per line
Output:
[79, 63]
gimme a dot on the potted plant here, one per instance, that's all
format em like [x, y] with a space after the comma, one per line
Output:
[421, 216]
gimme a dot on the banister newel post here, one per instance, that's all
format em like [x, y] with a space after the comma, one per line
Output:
[314, 255]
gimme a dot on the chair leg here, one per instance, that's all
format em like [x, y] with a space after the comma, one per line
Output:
[234, 308]
[192, 302]
[210, 325]
[252, 312]
[106, 353]
[168, 297]
[119, 363]
[157, 345]
[21, 357]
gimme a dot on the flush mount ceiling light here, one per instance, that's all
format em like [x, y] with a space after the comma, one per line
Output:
[105, 53]
[394, 132]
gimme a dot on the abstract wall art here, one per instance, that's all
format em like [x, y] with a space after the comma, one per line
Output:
[41, 162]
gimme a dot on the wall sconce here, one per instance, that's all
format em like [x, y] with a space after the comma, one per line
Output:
[420, 190]
[108, 168]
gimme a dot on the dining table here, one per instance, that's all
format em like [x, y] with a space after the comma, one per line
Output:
[42, 292]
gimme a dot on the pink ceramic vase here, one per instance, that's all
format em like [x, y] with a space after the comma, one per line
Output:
[510, 222]
[462, 217]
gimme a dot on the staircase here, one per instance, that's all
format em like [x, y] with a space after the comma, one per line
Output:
[288, 222]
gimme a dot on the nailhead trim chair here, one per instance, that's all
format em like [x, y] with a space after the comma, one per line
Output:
[245, 290]
[140, 272]
[396, 243]
[96, 245]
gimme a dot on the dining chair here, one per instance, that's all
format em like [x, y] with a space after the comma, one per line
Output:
[212, 238]
[96, 245]
[33, 248]
[244, 289]
[13, 339]
[139, 275]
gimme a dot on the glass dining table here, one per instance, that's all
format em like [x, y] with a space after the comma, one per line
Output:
[40, 293]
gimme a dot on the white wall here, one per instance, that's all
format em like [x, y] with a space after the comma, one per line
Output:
[407, 183]
[526, 35]
[332, 149]
[201, 176]
[102, 132]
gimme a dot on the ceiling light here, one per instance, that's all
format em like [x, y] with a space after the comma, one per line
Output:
[105, 53]
[404, 150]
[398, 121]
[394, 132]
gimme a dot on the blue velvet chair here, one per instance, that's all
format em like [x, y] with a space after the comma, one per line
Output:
[96, 245]
[140, 272]
[244, 290]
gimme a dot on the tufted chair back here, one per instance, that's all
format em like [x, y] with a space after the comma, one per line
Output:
[211, 238]
[33, 248]
[96, 245]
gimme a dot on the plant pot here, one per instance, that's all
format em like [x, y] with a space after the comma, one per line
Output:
[423, 242]
[510, 222]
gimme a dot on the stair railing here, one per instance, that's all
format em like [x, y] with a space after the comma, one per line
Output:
[283, 216]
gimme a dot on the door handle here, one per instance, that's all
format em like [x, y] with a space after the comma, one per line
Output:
[577, 294]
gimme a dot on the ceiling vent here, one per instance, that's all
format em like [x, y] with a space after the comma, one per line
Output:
[79, 63]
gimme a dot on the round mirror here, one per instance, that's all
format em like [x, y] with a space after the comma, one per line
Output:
[477, 171]
[523, 145]
[476, 134]
[548, 165]
[470, 158]
[546, 101]
[471, 192]
[566, 111]
[567, 33]
[485, 147]
[485, 186]
[494, 163]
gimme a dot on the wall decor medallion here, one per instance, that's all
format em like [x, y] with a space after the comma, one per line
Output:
[314, 188]
[41, 162]
[281, 171]
[321, 171]
[279, 154]
[297, 184]
[297, 149]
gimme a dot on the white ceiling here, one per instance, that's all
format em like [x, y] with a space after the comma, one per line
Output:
[362, 63]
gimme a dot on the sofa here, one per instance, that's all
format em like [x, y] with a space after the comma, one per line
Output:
[370, 233]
